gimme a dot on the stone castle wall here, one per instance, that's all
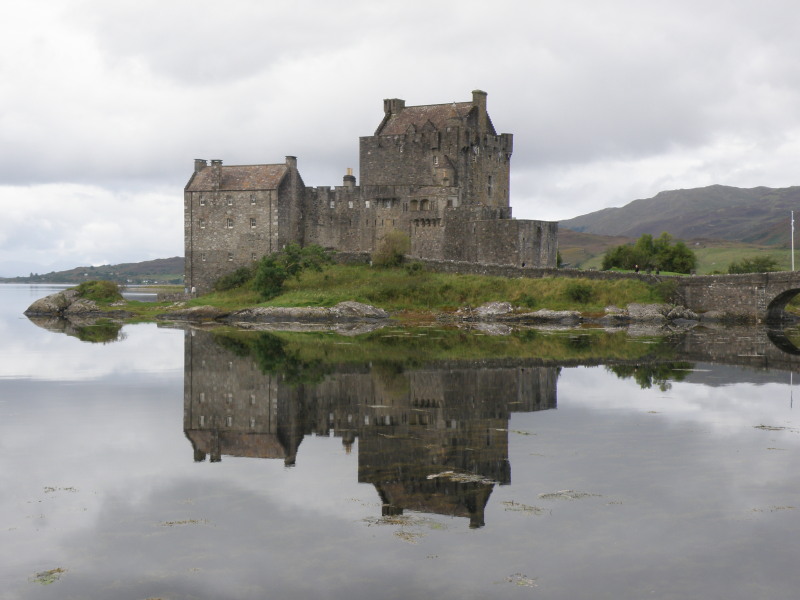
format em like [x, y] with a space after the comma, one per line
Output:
[446, 186]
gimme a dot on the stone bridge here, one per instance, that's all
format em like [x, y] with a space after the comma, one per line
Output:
[761, 297]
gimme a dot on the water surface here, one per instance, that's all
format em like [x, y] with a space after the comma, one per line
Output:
[178, 463]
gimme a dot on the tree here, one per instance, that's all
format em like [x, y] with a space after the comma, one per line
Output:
[647, 253]
[273, 270]
[755, 264]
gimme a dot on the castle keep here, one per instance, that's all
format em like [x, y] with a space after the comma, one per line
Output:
[439, 173]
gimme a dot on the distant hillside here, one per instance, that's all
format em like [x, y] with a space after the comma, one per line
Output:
[753, 216]
[160, 270]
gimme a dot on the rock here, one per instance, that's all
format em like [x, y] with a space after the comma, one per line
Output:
[81, 306]
[681, 312]
[194, 313]
[565, 317]
[342, 312]
[357, 310]
[614, 310]
[651, 313]
[491, 309]
[493, 328]
[54, 304]
[712, 316]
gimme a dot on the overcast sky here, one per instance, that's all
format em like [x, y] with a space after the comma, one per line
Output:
[104, 105]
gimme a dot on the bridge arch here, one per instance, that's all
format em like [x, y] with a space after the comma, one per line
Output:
[782, 342]
[776, 309]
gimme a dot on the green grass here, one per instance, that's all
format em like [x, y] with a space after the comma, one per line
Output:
[396, 290]
[718, 258]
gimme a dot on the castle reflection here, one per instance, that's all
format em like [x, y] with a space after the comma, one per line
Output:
[432, 437]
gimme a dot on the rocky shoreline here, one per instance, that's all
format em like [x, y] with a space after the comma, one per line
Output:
[66, 304]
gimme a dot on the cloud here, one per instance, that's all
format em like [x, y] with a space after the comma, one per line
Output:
[608, 102]
[60, 226]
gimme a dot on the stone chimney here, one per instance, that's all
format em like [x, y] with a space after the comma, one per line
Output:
[216, 170]
[199, 164]
[349, 180]
[479, 100]
[291, 162]
[393, 106]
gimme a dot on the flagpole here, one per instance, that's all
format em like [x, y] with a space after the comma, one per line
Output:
[792, 240]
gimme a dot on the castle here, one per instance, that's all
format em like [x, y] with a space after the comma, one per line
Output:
[439, 173]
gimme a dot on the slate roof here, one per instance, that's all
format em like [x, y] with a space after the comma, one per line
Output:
[419, 116]
[241, 177]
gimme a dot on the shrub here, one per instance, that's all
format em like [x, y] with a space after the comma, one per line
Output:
[755, 264]
[667, 290]
[233, 280]
[578, 291]
[99, 291]
[391, 249]
[415, 268]
[525, 300]
[273, 270]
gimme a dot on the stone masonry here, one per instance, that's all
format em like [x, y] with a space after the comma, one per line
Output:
[439, 173]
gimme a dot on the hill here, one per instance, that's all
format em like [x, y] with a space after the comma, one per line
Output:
[160, 270]
[752, 216]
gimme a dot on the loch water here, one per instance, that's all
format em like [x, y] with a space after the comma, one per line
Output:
[181, 463]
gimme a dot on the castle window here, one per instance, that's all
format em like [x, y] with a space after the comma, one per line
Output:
[349, 204]
[229, 421]
[202, 201]
[230, 256]
[414, 206]
[424, 205]
[435, 161]
[229, 200]
[489, 186]
[229, 223]
[252, 199]
[202, 223]
[203, 256]
[253, 256]
[450, 203]
[202, 420]
[366, 203]
[252, 223]
[333, 204]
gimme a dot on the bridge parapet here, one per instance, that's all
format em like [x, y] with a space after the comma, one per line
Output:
[759, 297]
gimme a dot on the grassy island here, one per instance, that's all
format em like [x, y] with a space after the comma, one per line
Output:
[411, 293]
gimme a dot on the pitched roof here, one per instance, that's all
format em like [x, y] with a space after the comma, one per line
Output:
[419, 116]
[239, 177]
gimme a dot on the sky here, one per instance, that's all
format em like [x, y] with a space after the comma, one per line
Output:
[105, 105]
